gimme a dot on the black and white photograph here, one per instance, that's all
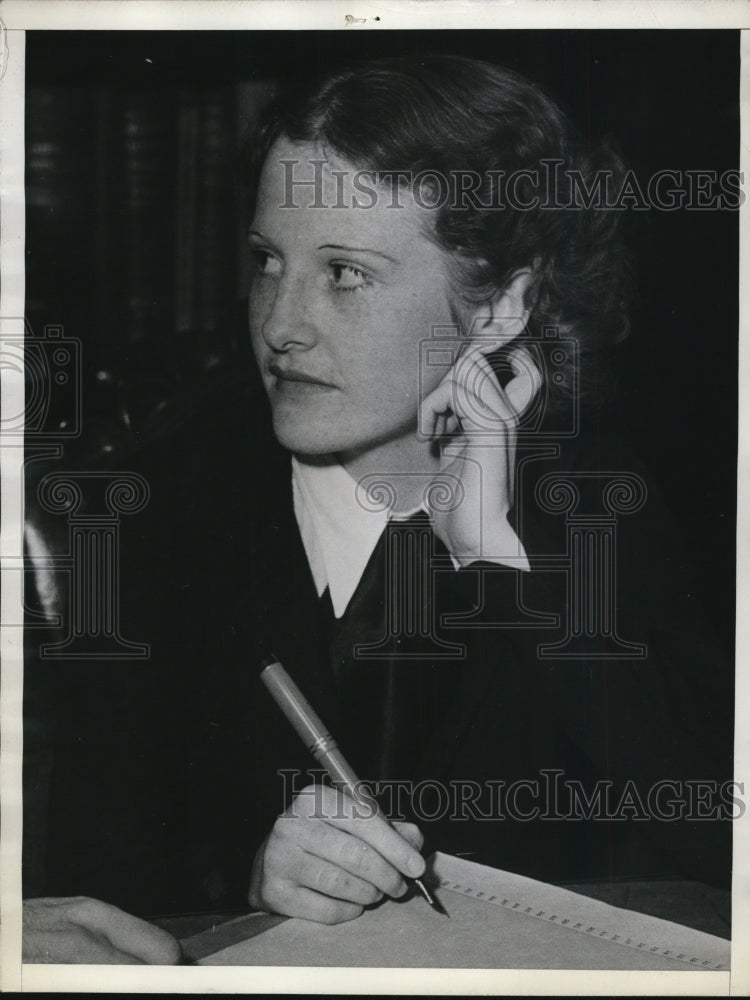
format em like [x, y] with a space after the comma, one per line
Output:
[376, 478]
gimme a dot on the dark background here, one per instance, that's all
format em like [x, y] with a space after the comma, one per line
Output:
[135, 219]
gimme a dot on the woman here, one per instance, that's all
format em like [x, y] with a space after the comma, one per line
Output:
[433, 305]
[401, 207]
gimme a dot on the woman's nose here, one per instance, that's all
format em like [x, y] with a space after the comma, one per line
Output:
[288, 323]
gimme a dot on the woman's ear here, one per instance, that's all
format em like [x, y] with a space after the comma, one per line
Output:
[497, 322]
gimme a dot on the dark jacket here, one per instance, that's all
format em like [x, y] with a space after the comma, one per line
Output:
[164, 773]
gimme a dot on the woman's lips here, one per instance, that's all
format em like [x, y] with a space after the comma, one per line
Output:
[291, 379]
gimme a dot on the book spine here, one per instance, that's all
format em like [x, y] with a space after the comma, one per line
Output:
[186, 223]
[59, 207]
[216, 210]
[150, 174]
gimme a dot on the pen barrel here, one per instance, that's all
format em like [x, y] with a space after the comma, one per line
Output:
[307, 724]
[298, 710]
[344, 778]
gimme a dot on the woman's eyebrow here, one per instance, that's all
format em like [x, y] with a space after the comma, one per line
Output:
[338, 246]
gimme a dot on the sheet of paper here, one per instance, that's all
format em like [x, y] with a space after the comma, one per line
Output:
[497, 920]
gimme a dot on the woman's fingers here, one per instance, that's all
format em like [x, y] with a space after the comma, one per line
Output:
[80, 929]
[483, 405]
[318, 840]
[331, 879]
[352, 835]
[470, 398]
[327, 857]
[478, 452]
[526, 381]
[437, 407]
[128, 933]
[73, 946]
[309, 905]
[411, 832]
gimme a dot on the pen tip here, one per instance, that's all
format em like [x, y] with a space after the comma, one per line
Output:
[433, 901]
[268, 661]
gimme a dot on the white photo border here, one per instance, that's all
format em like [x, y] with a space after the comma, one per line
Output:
[19, 16]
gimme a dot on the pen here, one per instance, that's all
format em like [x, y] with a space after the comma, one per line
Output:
[321, 744]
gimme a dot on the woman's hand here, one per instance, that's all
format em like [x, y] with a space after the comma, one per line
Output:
[86, 931]
[327, 858]
[476, 421]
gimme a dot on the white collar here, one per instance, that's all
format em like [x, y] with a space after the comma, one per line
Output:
[340, 535]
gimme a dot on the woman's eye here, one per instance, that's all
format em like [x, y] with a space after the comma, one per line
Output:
[266, 265]
[347, 278]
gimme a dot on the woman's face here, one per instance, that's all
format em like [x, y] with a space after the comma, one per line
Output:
[341, 300]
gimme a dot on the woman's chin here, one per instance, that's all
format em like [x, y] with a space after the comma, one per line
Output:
[306, 440]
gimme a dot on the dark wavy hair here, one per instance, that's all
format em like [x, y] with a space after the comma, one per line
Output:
[448, 114]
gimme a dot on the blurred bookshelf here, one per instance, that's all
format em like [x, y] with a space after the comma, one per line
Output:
[135, 225]
[135, 235]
